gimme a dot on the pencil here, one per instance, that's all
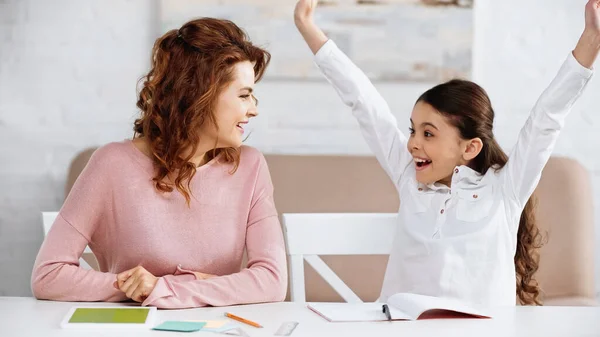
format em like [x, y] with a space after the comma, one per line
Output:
[243, 320]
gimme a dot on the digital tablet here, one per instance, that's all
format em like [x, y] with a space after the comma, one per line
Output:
[117, 317]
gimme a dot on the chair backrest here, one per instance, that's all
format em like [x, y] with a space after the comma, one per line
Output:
[565, 215]
[335, 184]
[309, 235]
[48, 219]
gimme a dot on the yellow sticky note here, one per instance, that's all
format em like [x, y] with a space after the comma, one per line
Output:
[212, 324]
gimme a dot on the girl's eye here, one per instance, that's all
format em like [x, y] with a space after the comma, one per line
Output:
[428, 134]
[411, 130]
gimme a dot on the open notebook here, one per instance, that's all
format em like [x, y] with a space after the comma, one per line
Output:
[402, 306]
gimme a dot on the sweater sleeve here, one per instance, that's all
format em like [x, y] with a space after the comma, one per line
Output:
[56, 273]
[263, 280]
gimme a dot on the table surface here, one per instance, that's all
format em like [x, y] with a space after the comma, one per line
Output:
[25, 316]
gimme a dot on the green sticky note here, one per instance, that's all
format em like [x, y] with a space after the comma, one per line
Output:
[110, 315]
[180, 326]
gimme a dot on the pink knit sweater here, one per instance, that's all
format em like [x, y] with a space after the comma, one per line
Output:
[115, 209]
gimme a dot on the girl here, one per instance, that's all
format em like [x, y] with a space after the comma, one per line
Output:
[169, 214]
[466, 224]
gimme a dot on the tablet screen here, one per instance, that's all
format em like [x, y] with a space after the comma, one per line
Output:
[110, 315]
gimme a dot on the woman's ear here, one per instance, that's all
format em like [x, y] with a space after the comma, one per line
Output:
[472, 147]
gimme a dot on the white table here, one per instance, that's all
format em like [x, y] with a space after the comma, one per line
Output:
[28, 317]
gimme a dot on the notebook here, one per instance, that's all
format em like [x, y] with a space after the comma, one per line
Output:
[402, 306]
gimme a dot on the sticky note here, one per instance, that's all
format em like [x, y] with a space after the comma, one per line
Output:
[216, 326]
[226, 327]
[180, 326]
[210, 324]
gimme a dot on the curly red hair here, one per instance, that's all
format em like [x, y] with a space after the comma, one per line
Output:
[189, 69]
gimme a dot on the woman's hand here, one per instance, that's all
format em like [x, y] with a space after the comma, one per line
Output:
[137, 283]
[202, 276]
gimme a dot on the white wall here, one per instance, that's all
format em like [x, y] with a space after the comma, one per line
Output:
[519, 46]
[67, 80]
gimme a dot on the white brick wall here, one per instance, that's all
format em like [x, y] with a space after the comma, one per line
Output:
[517, 61]
[366, 30]
[67, 80]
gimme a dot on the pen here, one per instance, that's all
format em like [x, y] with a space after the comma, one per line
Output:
[386, 311]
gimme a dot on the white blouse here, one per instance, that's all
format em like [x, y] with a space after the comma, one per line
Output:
[457, 242]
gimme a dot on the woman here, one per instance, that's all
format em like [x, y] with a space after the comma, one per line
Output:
[169, 214]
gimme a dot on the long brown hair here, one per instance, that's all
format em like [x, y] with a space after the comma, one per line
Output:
[190, 67]
[469, 109]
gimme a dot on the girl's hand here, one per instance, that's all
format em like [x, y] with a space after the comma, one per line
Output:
[304, 11]
[592, 16]
[588, 47]
[304, 19]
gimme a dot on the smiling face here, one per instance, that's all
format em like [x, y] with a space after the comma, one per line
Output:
[234, 107]
[436, 145]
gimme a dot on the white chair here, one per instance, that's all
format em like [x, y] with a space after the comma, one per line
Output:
[309, 235]
[48, 220]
